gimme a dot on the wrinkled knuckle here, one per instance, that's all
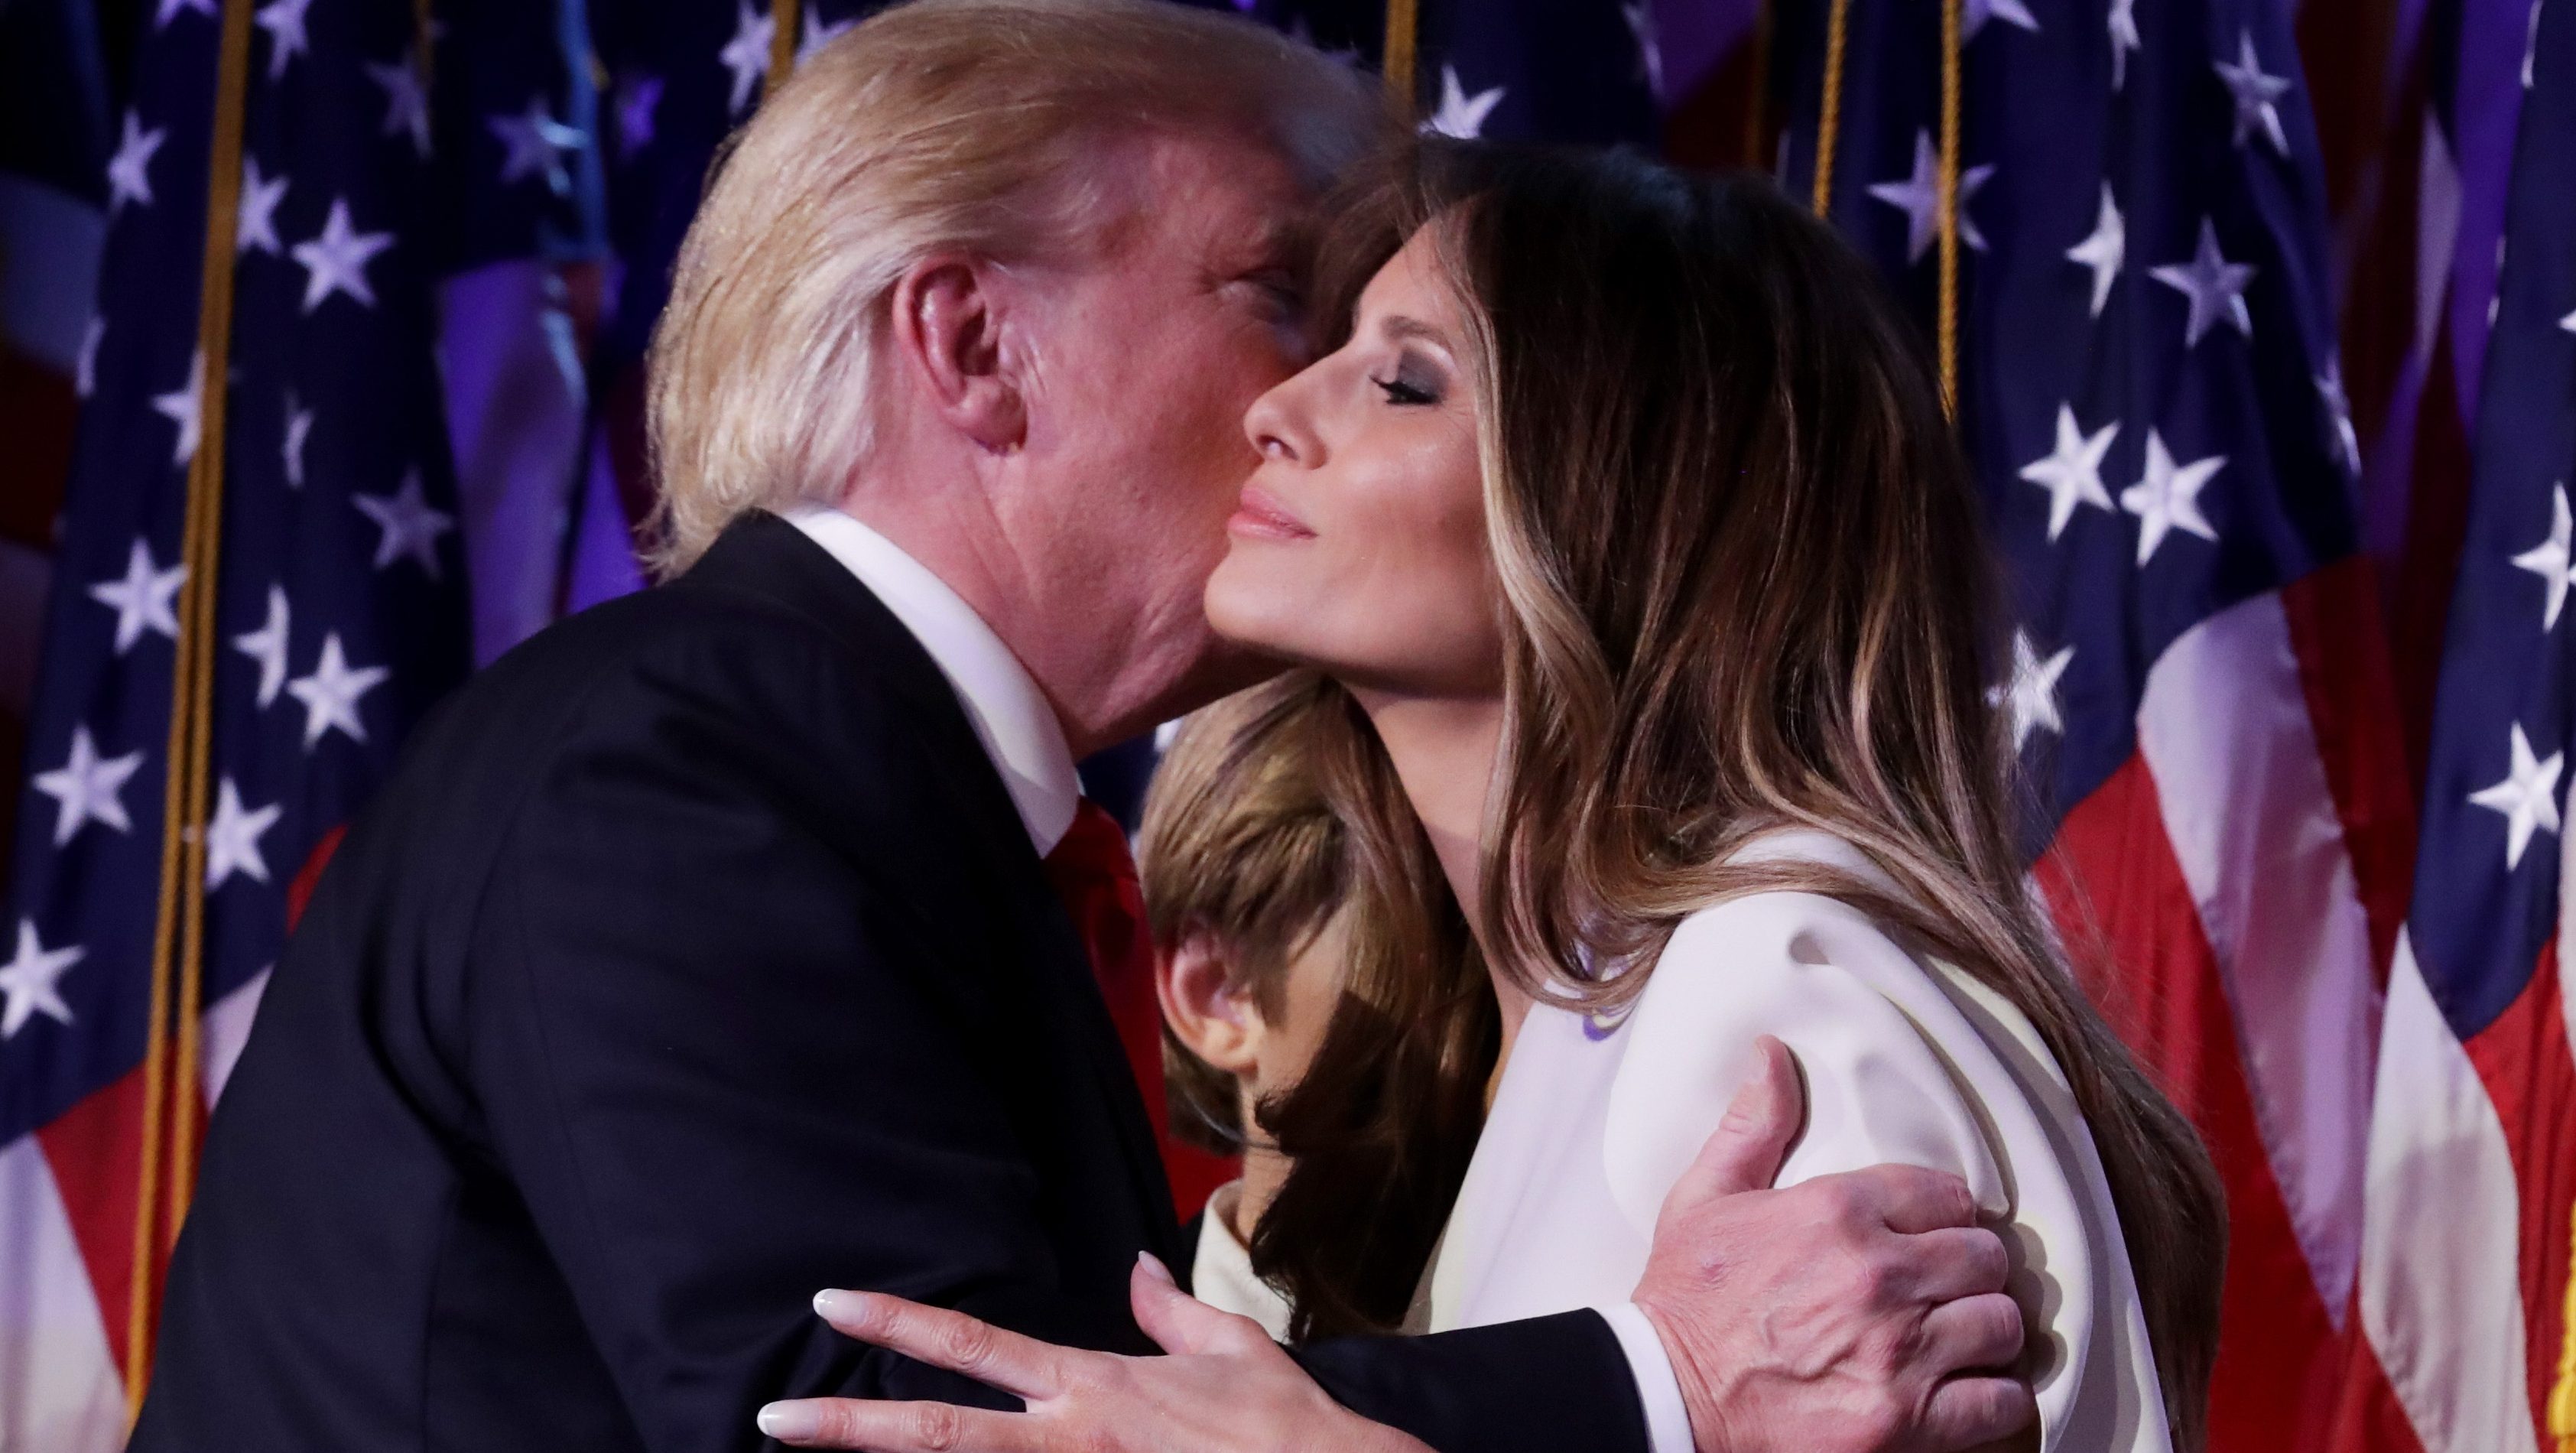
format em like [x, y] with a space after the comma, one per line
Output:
[969, 1341]
[937, 1426]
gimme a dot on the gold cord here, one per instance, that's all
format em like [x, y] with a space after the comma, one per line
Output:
[1951, 59]
[1829, 120]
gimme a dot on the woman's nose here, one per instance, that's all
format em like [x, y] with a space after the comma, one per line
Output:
[1274, 428]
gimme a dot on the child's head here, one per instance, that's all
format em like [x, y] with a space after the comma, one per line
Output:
[1246, 868]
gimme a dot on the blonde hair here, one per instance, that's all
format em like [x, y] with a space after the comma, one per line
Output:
[940, 124]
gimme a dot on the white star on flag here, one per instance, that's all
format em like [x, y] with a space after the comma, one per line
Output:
[411, 528]
[267, 646]
[536, 142]
[284, 22]
[747, 54]
[330, 695]
[180, 408]
[406, 101]
[144, 600]
[2549, 558]
[2254, 92]
[129, 172]
[2531, 49]
[817, 35]
[2105, 250]
[335, 261]
[85, 367]
[1460, 115]
[2528, 797]
[2072, 474]
[2168, 498]
[169, 10]
[86, 788]
[2124, 39]
[232, 839]
[31, 981]
[2032, 693]
[1640, 15]
[299, 425]
[2215, 286]
[1919, 198]
[2010, 12]
[255, 218]
[2568, 322]
[2339, 414]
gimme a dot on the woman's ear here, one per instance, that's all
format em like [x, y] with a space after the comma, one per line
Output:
[1211, 1017]
[947, 332]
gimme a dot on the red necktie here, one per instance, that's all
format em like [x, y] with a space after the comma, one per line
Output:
[1095, 875]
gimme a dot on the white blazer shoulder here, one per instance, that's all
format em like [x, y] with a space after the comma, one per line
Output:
[1906, 1060]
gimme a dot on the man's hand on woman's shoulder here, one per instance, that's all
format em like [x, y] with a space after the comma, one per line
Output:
[1858, 1311]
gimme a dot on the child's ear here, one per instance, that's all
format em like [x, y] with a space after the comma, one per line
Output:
[1208, 1015]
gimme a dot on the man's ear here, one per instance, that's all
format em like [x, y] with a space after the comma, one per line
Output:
[948, 324]
[1208, 1015]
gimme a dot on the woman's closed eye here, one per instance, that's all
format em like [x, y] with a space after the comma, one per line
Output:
[1411, 386]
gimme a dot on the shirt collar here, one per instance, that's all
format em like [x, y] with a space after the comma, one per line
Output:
[1003, 704]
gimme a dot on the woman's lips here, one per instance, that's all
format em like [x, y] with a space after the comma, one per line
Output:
[1260, 514]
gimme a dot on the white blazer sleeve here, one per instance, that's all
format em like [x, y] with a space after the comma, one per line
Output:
[1901, 1066]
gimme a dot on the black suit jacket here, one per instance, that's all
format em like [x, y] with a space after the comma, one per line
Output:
[693, 960]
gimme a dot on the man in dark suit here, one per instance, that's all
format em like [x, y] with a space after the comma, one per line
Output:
[703, 952]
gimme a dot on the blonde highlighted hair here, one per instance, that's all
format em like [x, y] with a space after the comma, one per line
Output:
[936, 125]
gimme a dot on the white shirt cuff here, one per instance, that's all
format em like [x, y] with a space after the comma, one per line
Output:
[1667, 1421]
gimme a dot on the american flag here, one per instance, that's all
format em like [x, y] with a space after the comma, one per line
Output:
[2472, 1163]
[338, 618]
[2147, 382]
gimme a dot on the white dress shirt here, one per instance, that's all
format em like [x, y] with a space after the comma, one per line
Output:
[1020, 733]
[1010, 715]
[1906, 1061]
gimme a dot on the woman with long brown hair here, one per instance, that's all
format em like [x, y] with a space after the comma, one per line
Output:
[1648, 626]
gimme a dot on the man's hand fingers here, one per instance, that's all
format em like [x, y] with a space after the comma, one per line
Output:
[1745, 1151]
[1970, 1412]
[1909, 1198]
[952, 1340]
[1957, 1261]
[1179, 1322]
[901, 1427]
[1972, 1334]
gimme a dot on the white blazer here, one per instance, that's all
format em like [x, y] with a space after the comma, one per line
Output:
[1905, 1060]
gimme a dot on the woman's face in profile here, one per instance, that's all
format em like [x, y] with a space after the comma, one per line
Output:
[1359, 547]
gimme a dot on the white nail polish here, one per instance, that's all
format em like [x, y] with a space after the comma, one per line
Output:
[789, 1421]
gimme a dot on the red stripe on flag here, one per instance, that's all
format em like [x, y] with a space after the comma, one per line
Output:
[94, 1150]
[2136, 941]
[2351, 690]
[2368, 1418]
[2524, 1061]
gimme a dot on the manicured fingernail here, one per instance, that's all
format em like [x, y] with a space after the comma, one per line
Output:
[1154, 1268]
[789, 1421]
[833, 1305]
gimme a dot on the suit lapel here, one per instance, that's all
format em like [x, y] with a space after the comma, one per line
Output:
[766, 556]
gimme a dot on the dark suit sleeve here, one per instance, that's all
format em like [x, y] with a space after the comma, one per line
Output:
[1551, 1383]
[725, 1064]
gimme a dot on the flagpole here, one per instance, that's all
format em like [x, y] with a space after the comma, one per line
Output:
[179, 925]
[784, 17]
[1951, 58]
[1403, 26]
[1757, 100]
[1829, 118]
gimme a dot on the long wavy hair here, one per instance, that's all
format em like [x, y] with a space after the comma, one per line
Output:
[1745, 586]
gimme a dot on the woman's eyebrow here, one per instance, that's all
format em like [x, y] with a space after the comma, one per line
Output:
[1397, 326]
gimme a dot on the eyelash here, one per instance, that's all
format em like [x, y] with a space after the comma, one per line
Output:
[1404, 395]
